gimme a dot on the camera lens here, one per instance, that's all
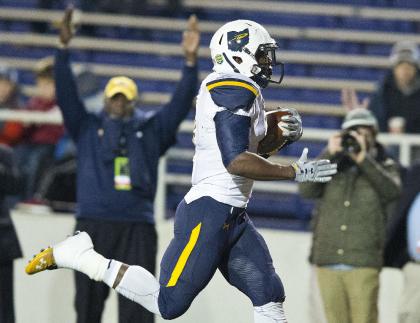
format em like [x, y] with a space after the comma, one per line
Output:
[350, 144]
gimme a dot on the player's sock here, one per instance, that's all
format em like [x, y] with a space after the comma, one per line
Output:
[269, 313]
[76, 252]
[92, 264]
[135, 283]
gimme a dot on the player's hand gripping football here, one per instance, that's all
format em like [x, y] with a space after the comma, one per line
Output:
[291, 124]
[191, 40]
[67, 27]
[313, 171]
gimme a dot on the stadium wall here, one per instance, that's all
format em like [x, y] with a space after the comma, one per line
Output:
[48, 297]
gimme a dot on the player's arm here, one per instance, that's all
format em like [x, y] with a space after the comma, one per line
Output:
[68, 98]
[253, 166]
[232, 133]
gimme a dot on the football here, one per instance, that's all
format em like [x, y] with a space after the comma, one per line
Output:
[274, 139]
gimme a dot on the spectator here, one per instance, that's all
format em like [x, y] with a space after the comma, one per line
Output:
[395, 102]
[10, 132]
[36, 151]
[58, 185]
[9, 244]
[350, 218]
[118, 152]
[402, 247]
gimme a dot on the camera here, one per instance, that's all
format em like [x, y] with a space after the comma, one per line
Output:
[349, 143]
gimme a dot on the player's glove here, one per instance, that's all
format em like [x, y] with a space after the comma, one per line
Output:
[291, 124]
[313, 171]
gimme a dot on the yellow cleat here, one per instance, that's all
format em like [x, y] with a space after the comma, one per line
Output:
[42, 261]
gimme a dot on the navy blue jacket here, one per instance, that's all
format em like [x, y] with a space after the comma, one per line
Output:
[388, 101]
[97, 138]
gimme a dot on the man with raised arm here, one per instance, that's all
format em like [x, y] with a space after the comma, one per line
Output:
[118, 152]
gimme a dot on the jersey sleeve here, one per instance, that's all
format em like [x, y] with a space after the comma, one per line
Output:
[232, 94]
[232, 134]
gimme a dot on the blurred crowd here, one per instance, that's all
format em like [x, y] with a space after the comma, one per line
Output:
[39, 148]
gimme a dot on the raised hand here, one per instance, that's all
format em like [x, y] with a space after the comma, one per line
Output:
[313, 171]
[66, 27]
[191, 40]
[350, 100]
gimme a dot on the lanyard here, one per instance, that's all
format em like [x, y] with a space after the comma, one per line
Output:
[122, 142]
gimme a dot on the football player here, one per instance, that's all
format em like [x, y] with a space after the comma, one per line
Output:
[212, 229]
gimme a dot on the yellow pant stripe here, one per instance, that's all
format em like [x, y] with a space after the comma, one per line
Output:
[233, 83]
[182, 260]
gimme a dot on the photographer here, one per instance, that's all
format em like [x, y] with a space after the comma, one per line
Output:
[349, 220]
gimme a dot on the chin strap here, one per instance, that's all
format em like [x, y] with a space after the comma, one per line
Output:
[261, 80]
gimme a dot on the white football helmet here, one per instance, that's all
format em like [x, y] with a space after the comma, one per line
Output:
[245, 47]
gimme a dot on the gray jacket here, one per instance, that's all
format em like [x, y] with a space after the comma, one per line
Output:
[350, 216]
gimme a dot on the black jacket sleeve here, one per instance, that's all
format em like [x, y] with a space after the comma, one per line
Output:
[396, 249]
[10, 179]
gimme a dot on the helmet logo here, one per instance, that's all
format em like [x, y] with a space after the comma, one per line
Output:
[237, 40]
[219, 59]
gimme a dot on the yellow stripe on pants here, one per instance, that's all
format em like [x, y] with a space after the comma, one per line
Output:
[182, 260]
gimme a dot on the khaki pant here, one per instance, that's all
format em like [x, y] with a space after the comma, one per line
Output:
[409, 311]
[349, 296]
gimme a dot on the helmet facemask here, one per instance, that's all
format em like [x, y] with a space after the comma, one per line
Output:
[267, 70]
